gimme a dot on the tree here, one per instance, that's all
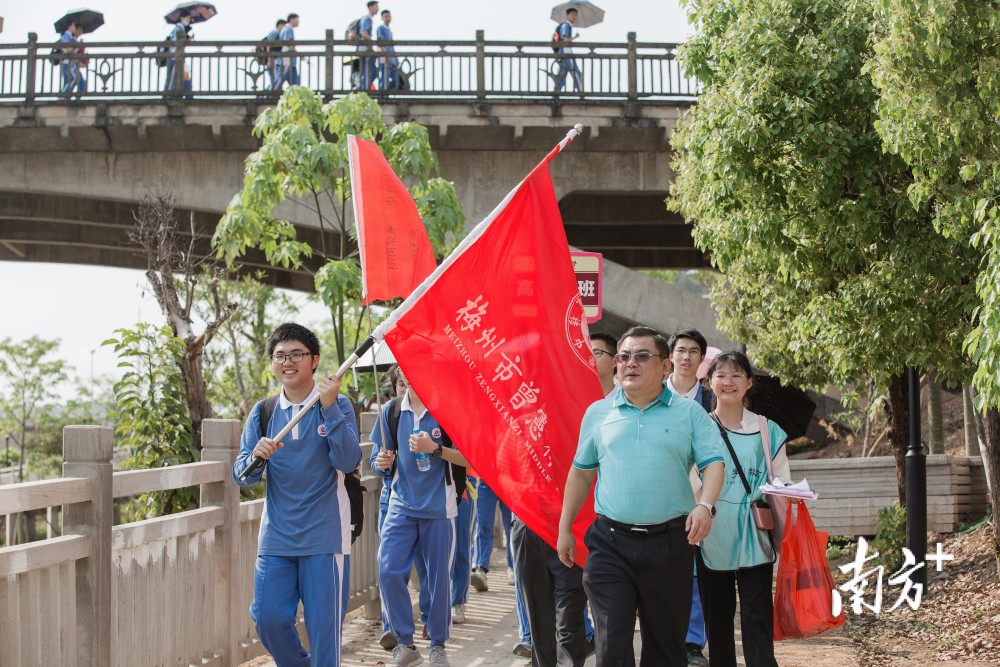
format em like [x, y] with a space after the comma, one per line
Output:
[936, 65]
[237, 367]
[153, 417]
[174, 270]
[303, 158]
[29, 378]
[831, 273]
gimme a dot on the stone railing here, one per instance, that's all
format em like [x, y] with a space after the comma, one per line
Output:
[171, 590]
[477, 70]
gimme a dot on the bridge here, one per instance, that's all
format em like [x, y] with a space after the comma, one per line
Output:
[78, 166]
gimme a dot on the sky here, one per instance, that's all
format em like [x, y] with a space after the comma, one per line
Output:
[83, 305]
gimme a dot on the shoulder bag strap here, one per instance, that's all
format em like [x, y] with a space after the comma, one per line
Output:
[732, 452]
[765, 439]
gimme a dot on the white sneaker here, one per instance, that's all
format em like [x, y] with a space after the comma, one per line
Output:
[458, 613]
[407, 655]
[510, 576]
[478, 579]
[438, 657]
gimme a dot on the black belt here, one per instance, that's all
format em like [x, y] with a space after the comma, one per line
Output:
[645, 529]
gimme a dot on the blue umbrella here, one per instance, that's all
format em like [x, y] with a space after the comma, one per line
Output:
[199, 11]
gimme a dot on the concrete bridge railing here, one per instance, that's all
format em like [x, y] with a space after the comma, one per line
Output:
[480, 70]
[170, 590]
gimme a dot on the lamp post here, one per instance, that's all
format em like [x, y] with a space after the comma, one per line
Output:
[916, 485]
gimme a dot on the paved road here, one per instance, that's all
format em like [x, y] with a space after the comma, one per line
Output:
[490, 632]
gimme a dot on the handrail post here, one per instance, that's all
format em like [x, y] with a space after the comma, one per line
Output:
[220, 439]
[328, 57]
[179, 66]
[480, 66]
[30, 70]
[633, 69]
[87, 453]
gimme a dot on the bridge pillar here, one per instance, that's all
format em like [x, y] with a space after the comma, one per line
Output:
[87, 454]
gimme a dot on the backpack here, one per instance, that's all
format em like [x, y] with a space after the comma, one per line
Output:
[352, 481]
[53, 59]
[452, 472]
[162, 56]
[260, 52]
[353, 34]
[556, 38]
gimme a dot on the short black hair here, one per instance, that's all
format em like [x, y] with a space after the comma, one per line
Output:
[607, 339]
[293, 331]
[572, 9]
[279, 23]
[371, 2]
[183, 13]
[293, 16]
[642, 332]
[691, 334]
[384, 12]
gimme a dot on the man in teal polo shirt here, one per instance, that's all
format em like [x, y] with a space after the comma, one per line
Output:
[640, 446]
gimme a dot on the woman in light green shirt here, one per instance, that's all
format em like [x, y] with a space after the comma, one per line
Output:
[736, 554]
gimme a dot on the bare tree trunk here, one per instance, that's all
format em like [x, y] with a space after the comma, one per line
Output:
[899, 429]
[935, 416]
[991, 462]
[969, 420]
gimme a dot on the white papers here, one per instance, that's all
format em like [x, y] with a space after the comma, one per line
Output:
[799, 490]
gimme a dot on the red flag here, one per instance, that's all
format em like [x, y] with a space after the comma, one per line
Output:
[496, 344]
[396, 254]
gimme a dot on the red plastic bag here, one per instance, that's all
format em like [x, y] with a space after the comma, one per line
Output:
[803, 595]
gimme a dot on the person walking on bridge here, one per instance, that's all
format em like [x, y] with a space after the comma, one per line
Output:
[72, 78]
[286, 67]
[567, 65]
[304, 548]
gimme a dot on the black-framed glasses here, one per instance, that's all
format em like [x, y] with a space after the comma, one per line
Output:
[598, 353]
[640, 357]
[294, 357]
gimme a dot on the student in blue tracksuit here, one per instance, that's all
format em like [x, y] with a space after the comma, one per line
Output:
[272, 63]
[568, 66]
[422, 510]
[72, 79]
[368, 62]
[305, 533]
[286, 68]
[182, 30]
[687, 351]
[387, 63]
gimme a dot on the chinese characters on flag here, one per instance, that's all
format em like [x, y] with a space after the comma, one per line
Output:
[496, 345]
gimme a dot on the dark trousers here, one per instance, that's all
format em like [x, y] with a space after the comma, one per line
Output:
[653, 576]
[718, 599]
[553, 595]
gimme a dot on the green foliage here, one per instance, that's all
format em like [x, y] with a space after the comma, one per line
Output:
[830, 271]
[890, 536]
[28, 378]
[153, 419]
[937, 67]
[237, 370]
[303, 157]
[9, 457]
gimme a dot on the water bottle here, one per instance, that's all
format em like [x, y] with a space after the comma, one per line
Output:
[423, 460]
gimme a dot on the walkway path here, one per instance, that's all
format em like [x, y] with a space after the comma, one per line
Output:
[490, 632]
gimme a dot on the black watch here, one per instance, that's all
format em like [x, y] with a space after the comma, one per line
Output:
[709, 506]
[437, 452]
